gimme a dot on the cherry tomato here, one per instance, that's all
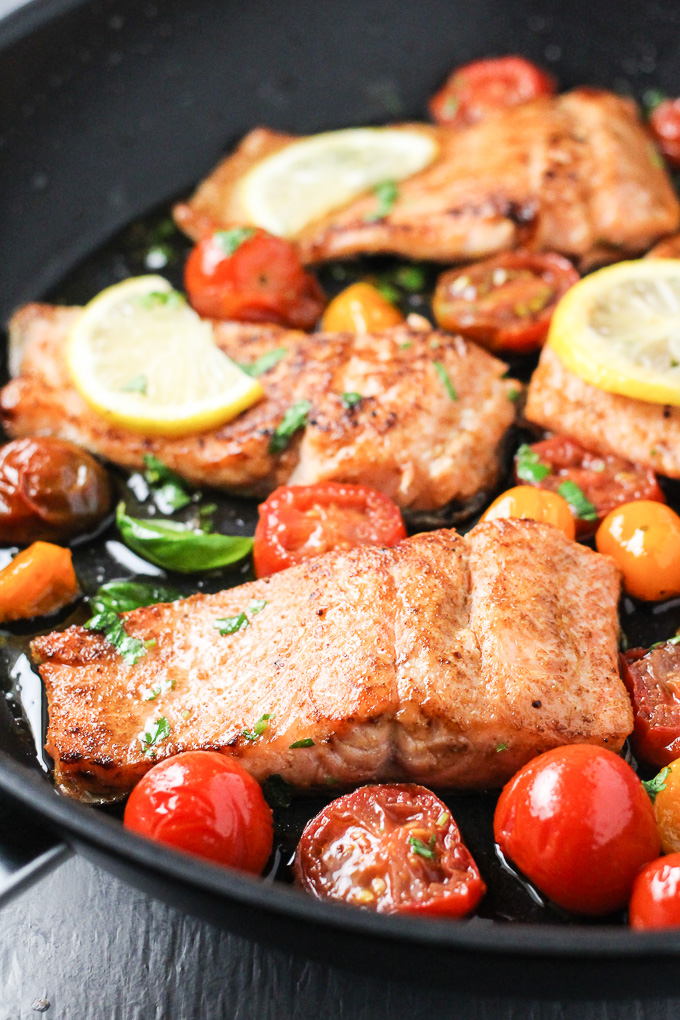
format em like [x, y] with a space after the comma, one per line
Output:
[578, 823]
[505, 302]
[644, 539]
[392, 848]
[477, 90]
[667, 806]
[605, 480]
[664, 124]
[655, 900]
[38, 581]
[206, 804]
[49, 489]
[524, 501]
[653, 682]
[251, 276]
[300, 521]
[360, 308]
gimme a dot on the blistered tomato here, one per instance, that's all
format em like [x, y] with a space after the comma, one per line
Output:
[477, 90]
[360, 308]
[655, 900]
[643, 538]
[524, 501]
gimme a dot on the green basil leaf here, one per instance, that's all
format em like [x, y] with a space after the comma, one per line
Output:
[350, 400]
[529, 466]
[295, 418]
[159, 730]
[110, 624]
[576, 499]
[168, 489]
[444, 378]
[176, 546]
[123, 596]
[264, 363]
[230, 240]
[386, 194]
[231, 624]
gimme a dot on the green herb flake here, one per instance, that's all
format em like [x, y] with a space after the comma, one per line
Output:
[423, 849]
[260, 727]
[295, 418]
[232, 624]
[502, 747]
[151, 693]
[442, 820]
[264, 363]
[330, 781]
[406, 345]
[351, 399]
[161, 299]
[651, 98]
[305, 742]
[277, 792]
[111, 626]
[410, 278]
[513, 395]
[576, 499]
[256, 606]
[121, 597]
[388, 291]
[653, 452]
[386, 193]
[655, 157]
[444, 379]
[159, 730]
[136, 385]
[167, 487]
[657, 784]
[529, 466]
[229, 241]
[669, 641]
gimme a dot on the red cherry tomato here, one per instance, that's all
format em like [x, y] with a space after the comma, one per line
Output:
[578, 823]
[251, 276]
[392, 848]
[206, 804]
[653, 682]
[664, 124]
[655, 900]
[473, 92]
[605, 480]
[505, 302]
[300, 521]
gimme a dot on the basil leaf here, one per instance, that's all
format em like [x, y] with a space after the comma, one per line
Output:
[529, 466]
[350, 400]
[422, 849]
[178, 547]
[264, 363]
[386, 194]
[579, 503]
[169, 492]
[305, 742]
[657, 784]
[159, 730]
[230, 241]
[295, 418]
[232, 624]
[444, 378]
[110, 624]
[122, 596]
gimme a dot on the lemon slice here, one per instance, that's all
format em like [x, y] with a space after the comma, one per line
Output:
[310, 178]
[144, 359]
[619, 328]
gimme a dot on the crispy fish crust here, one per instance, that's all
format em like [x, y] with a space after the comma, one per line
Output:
[575, 173]
[406, 437]
[446, 660]
[604, 422]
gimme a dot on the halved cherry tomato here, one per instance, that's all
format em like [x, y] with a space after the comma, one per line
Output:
[300, 521]
[251, 276]
[38, 581]
[206, 804]
[578, 823]
[392, 848]
[505, 302]
[605, 480]
[644, 539]
[653, 682]
[477, 90]
[360, 308]
[667, 806]
[655, 900]
[664, 124]
[524, 502]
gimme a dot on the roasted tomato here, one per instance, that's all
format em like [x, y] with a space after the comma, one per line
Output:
[360, 308]
[300, 521]
[664, 123]
[605, 481]
[251, 276]
[655, 900]
[394, 849]
[653, 682]
[524, 501]
[477, 90]
[38, 581]
[506, 302]
[665, 789]
[644, 539]
[206, 804]
[49, 489]
[578, 823]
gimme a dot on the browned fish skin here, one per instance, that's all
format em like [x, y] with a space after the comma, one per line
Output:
[407, 437]
[574, 173]
[604, 422]
[447, 660]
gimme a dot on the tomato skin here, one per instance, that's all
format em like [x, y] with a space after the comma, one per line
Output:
[263, 280]
[578, 823]
[650, 680]
[360, 308]
[643, 537]
[477, 90]
[667, 809]
[359, 850]
[525, 501]
[655, 900]
[504, 302]
[664, 123]
[206, 804]
[297, 522]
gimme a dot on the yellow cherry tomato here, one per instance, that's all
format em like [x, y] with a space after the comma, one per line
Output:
[525, 501]
[644, 539]
[360, 308]
[667, 807]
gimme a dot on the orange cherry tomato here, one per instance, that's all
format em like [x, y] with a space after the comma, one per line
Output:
[643, 538]
[360, 308]
[473, 92]
[664, 123]
[525, 501]
[206, 804]
[251, 276]
[667, 807]
[655, 900]
[38, 581]
[578, 823]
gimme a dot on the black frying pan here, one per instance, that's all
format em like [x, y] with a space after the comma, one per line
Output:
[109, 109]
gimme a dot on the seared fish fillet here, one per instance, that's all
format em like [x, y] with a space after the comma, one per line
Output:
[406, 437]
[604, 422]
[447, 660]
[575, 173]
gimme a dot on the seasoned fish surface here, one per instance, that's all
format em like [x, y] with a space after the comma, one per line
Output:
[407, 436]
[446, 660]
[574, 173]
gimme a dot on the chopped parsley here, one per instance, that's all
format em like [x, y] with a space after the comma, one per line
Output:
[264, 363]
[350, 400]
[657, 784]
[295, 418]
[111, 626]
[230, 240]
[233, 624]
[386, 194]
[167, 487]
[151, 693]
[305, 742]
[159, 730]
[260, 727]
[444, 379]
[136, 385]
[529, 466]
[442, 820]
[576, 499]
[423, 849]
[121, 597]
[501, 747]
